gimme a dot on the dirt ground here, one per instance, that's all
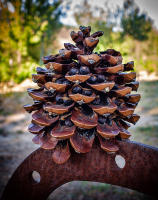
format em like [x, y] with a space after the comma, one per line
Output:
[16, 144]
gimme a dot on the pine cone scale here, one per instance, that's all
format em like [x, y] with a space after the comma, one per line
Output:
[82, 95]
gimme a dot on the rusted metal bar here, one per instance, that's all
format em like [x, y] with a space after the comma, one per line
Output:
[139, 173]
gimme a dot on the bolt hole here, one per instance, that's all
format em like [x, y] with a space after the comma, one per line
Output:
[36, 177]
[120, 161]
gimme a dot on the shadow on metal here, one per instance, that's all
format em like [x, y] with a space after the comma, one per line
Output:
[136, 168]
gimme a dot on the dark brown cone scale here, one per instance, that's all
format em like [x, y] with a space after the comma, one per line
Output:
[48, 142]
[35, 129]
[102, 86]
[84, 121]
[62, 132]
[43, 119]
[57, 109]
[81, 143]
[45, 140]
[61, 153]
[104, 109]
[108, 131]
[108, 145]
[81, 95]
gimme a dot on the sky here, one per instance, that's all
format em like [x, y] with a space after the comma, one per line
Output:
[149, 6]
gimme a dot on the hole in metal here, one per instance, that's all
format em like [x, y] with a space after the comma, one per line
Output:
[36, 177]
[120, 161]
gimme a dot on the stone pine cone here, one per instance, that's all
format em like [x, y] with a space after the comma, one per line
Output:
[82, 96]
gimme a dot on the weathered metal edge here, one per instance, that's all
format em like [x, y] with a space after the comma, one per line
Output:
[140, 172]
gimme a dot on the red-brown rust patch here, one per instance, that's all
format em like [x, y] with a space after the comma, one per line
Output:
[140, 172]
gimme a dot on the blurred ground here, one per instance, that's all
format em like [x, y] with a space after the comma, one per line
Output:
[15, 144]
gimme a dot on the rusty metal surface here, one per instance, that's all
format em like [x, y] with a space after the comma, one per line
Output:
[140, 171]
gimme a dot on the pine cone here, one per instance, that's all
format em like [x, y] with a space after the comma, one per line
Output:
[82, 96]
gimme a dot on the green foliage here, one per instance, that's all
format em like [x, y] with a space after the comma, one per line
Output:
[134, 23]
[25, 34]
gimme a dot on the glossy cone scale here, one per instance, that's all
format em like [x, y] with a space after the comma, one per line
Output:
[82, 95]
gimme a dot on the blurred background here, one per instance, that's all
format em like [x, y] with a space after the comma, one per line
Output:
[30, 29]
